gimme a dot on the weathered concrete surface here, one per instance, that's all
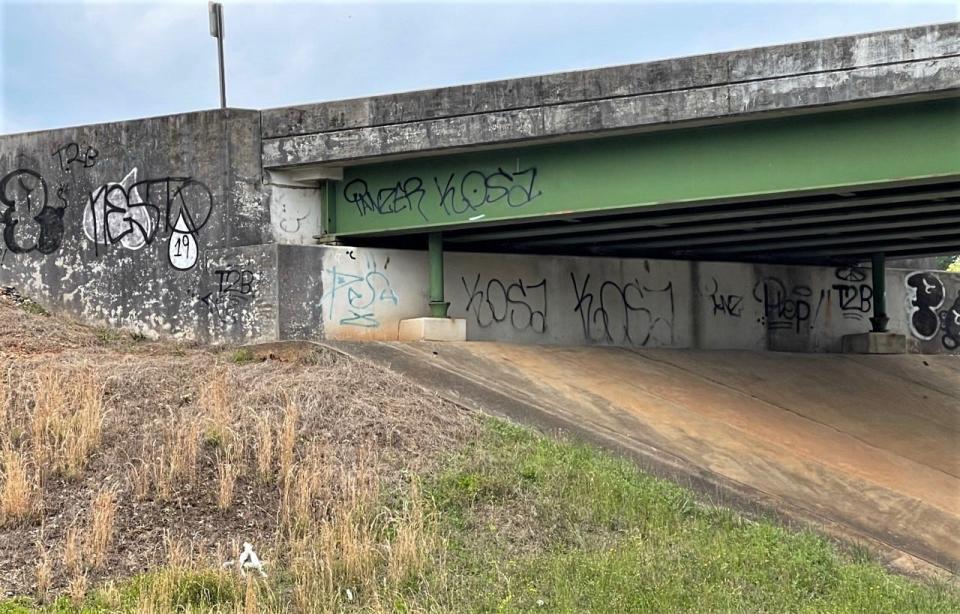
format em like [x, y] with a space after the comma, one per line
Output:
[874, 343]
[155, 225]
[867, 447]
[801, 77]
[433, 329]
[625, 302]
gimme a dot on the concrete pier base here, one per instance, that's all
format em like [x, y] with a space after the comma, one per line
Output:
[433, 329]
[874, 343]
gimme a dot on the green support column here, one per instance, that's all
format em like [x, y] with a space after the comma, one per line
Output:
[328, 209]
[438, 307]
[879, 319]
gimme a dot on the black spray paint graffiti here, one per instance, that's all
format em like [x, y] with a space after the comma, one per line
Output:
[29, 222]
[624, 313]
[406, 195]
[73, 156]
[783, 308]
[950, 323]
[927, 296]
[725, 304]
[287, 224]
[357, 294]
[855, 297]
[476, 189]
[456, 194]
[130, 213]
[235, 288]
[516, 302]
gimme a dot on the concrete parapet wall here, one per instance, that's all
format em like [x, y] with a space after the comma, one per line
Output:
[784, 79]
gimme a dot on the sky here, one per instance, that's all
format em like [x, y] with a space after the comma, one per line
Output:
[71, 63]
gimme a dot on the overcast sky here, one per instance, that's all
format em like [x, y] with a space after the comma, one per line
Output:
[69, 63]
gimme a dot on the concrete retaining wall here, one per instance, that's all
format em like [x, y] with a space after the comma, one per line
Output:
[156, 225]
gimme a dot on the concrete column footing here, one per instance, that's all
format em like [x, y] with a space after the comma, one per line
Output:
[433, 329]
[874, 343]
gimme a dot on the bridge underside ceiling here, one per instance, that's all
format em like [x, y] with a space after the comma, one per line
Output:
[820, 188]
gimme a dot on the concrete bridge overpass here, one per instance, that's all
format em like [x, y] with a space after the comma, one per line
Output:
[837, 151]
[753, 184]
[819, 151]
[725, 202]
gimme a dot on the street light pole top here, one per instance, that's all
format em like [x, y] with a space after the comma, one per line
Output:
[216, 19]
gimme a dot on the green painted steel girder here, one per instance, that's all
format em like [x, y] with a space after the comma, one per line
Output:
[817, 152]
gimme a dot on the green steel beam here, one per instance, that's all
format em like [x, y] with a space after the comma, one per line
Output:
[948, 246]
[706, 233]
[656, 217]
[808, 228]
[778, 157]
[908, 232]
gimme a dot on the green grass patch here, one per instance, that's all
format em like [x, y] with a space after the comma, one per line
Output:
[34, 308]
[538, 523]
[242, 356]
[107, 336]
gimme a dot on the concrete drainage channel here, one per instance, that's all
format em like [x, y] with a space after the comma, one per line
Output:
[827, 441]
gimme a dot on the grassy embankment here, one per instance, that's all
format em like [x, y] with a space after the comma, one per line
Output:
[130, 470]
[520, 522]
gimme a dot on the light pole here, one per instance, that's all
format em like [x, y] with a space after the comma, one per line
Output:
[216, 31]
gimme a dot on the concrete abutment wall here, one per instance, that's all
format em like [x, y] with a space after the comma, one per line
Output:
[631, 302]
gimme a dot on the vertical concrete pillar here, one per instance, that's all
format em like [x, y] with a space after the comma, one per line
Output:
[879, 319]
[438, 307]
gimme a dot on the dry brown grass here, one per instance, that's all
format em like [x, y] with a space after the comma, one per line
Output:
[77, 589]
[357, 547]
[103, 516]
[226, 481]
[413, 544]
[286, 443]
[172, 464]
[73, 550]
[264, 449]
[43, 571]
[306, 485]
[288, 440]
[6, 398]
[250, 601]
[16, 491]
[67, 419]
[140, 478]
[217, 408]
